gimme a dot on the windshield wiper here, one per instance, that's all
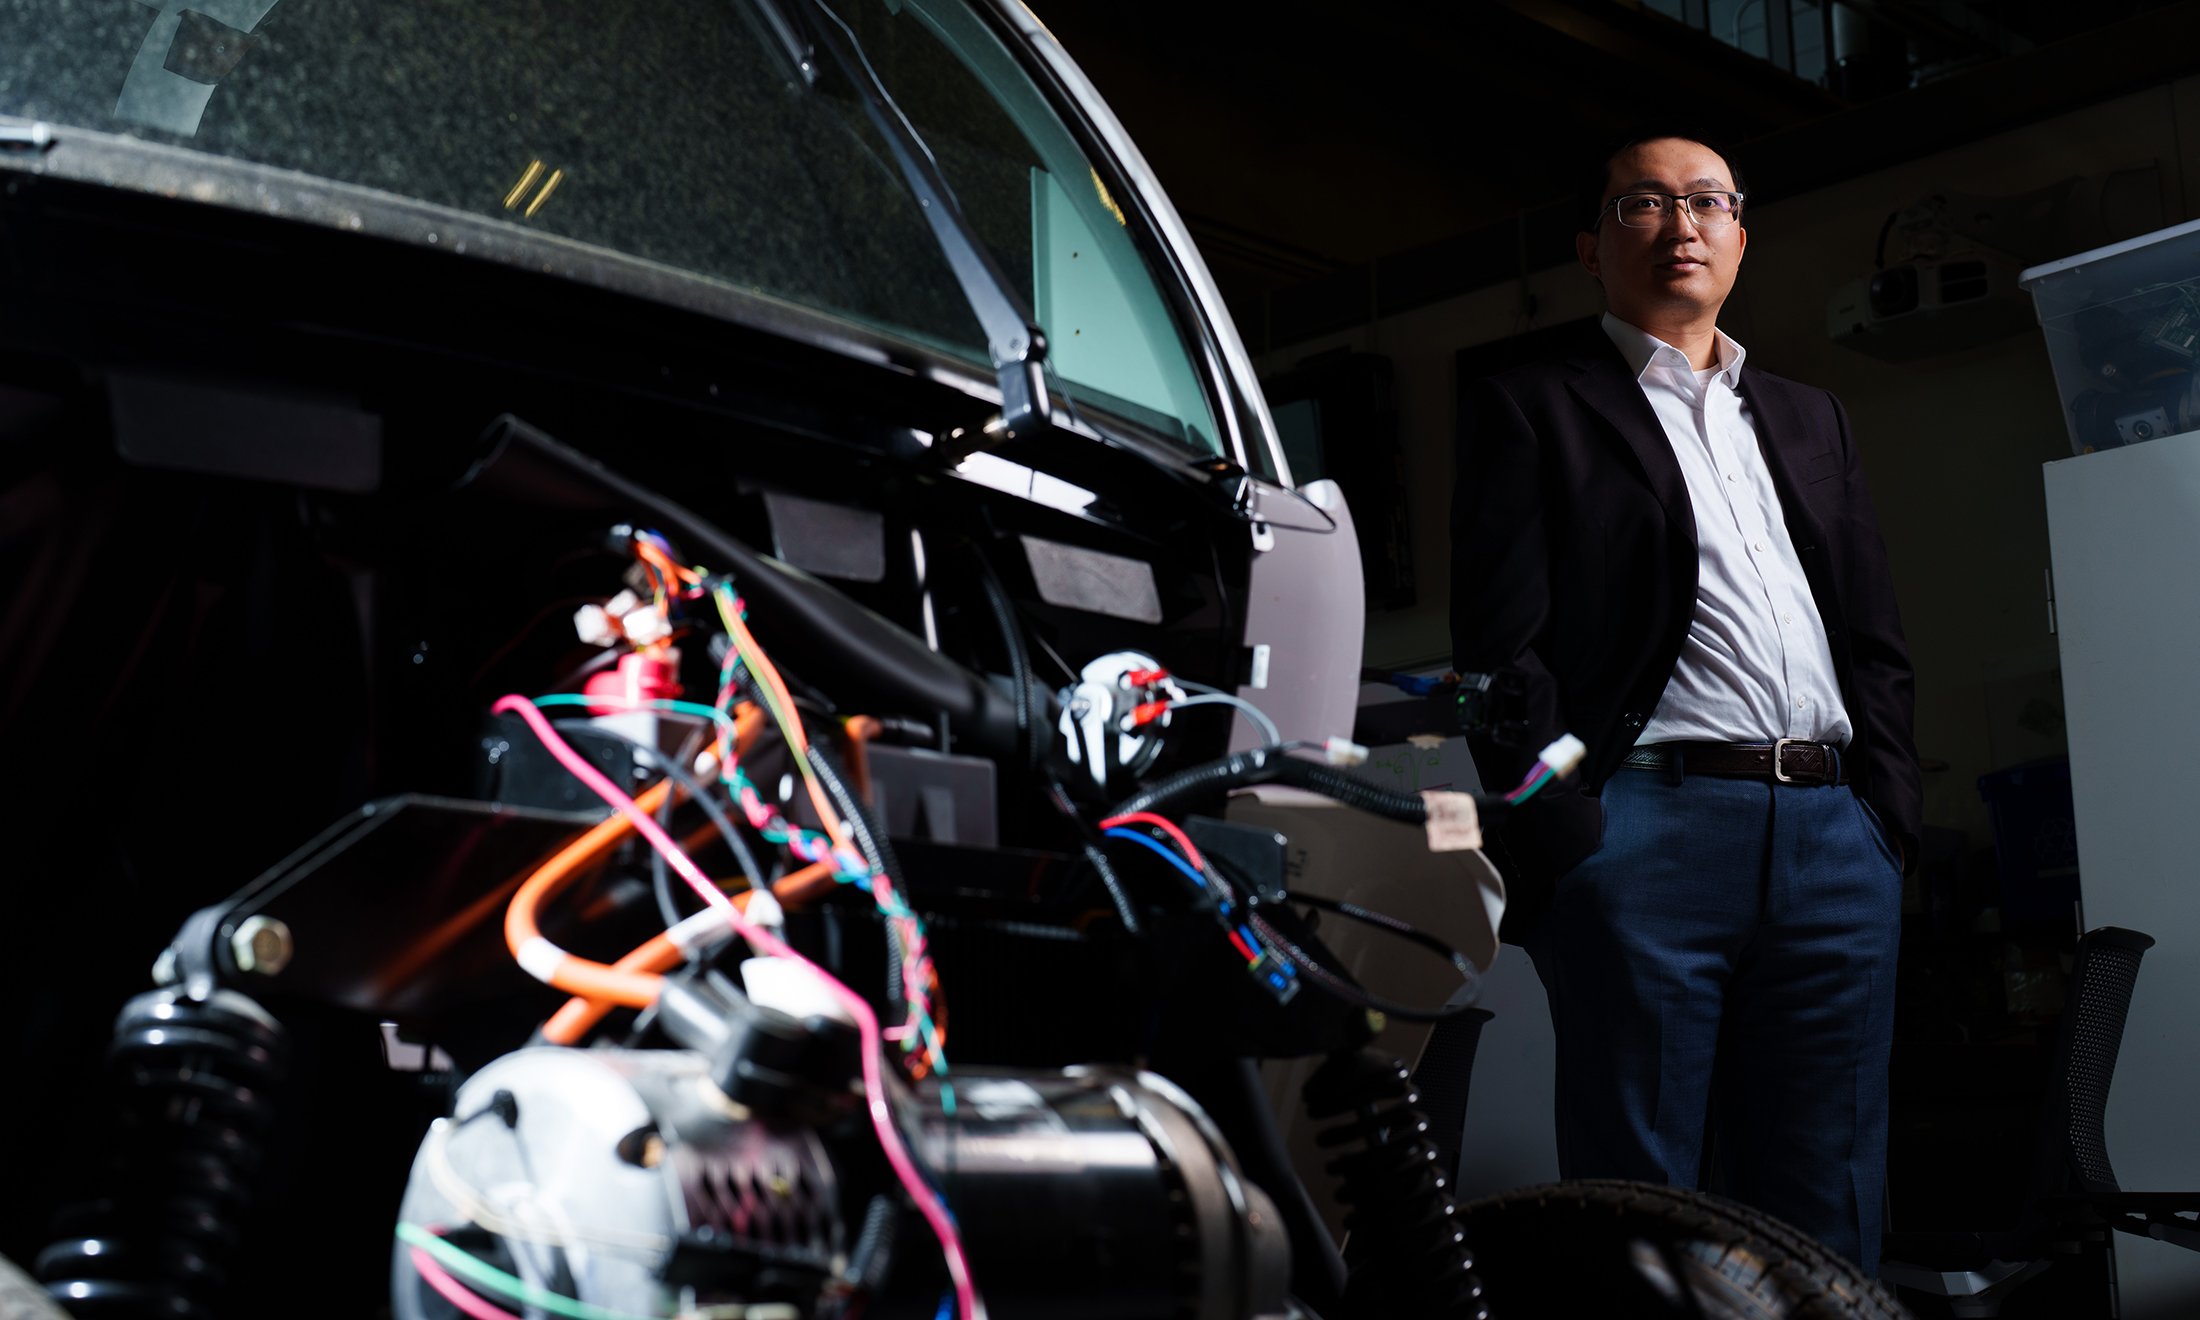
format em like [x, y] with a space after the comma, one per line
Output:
[1016, 343]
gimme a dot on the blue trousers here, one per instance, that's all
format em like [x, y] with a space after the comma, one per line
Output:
[1727, 960]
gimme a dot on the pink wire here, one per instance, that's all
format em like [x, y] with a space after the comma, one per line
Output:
[929, 1203]
[454, 1292]
[1535, 772]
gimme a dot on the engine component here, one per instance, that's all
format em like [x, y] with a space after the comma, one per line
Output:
[1406, 1252]
[626, 1180]
[196, 1074]
[763, 1059]
[605, 1174]
[1114, 717]
[1104, 1194]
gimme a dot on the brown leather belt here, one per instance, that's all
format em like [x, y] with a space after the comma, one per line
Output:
[1788, 761]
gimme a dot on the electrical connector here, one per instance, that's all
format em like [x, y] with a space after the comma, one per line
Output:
[1276, 976]
[1138, 678]
[1144, 714]
[792, 988]
[595, 626]
[621, 605]
[1344, 751]
[764, 909]
[1564, 756]
[645, 626]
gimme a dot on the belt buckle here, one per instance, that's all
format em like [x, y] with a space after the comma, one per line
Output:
[1780, 745]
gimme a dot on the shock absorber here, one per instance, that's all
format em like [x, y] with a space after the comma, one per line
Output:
[194, 1074]
[1406, 1254]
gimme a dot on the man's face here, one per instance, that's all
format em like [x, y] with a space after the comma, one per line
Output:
[1675, 266]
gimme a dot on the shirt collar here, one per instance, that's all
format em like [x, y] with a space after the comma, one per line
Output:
[1643, 350]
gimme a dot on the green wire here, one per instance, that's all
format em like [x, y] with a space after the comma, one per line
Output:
[694, 708]
[474, 1270]
[1541, 780]
[739, 777]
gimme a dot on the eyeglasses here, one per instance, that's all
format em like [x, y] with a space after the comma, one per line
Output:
[1648, 210]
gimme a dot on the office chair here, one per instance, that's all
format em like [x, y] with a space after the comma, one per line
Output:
[2074, 1196]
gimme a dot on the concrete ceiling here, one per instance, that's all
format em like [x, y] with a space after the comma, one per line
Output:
[1334, 159]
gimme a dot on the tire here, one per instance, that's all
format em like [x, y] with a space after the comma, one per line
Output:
[1622, 1249]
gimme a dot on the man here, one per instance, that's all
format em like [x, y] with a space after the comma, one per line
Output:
[1677, 551]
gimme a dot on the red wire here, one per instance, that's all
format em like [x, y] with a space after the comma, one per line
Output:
[1166, 826]
[454, 1292]
[1243, 947]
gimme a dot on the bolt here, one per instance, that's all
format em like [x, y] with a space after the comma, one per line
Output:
[262, 945]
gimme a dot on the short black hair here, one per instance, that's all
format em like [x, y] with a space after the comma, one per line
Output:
[1590, 196]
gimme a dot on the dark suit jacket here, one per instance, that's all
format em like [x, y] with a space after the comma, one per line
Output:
[1574, 561]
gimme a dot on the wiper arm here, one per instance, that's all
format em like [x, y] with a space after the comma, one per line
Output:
[1014, 340]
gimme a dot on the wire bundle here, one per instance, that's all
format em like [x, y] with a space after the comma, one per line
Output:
[1538, 775]
[1260, 960]
[834, 856]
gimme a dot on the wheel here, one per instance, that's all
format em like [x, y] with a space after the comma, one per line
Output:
[1612, 1248]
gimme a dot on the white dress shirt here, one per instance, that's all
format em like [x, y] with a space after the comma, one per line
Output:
[1756, 665]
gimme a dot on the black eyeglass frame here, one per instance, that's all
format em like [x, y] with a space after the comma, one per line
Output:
[1611, 206]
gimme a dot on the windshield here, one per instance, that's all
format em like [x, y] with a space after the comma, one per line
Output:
[676, 132]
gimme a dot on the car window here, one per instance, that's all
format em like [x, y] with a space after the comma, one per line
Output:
[672, 132]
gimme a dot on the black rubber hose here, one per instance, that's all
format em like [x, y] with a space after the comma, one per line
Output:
[1268, 766]
[1094, 854]
[860, 656]
[1337, 984]
[1019, 658]
[876, 850]
[870, 836]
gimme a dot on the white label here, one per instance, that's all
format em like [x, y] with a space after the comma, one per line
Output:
[1453, 823]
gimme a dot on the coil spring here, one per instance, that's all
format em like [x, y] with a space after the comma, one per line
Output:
[1407, 1254]
[195, 1078]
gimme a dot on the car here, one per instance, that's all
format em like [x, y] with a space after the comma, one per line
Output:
[593, 594]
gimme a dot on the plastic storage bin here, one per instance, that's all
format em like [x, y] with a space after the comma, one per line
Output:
[2123, 332]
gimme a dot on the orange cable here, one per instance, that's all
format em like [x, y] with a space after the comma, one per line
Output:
[659, 954]
[861, 729]
[523, 935]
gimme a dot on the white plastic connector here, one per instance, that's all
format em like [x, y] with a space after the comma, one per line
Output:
[595, 625]
[703, 933]
[1344, 751]
[621, 605]
[645, 625]
[1564, 756]
[764, 910]
[792, 988]
[706, 765]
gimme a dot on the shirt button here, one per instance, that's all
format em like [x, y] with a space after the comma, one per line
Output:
[1787, 618]
[1731, 477]
[1798, 703]
[1760, 547]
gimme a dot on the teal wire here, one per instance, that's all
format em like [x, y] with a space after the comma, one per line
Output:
[481, 1272]
[1545, 778]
